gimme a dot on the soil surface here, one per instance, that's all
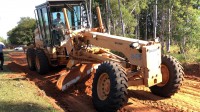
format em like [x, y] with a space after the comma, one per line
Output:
[78, 97]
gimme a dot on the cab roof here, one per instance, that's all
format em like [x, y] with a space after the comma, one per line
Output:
[57, 2]
[62, 0]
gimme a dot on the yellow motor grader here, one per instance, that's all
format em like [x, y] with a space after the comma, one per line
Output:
[70, 40]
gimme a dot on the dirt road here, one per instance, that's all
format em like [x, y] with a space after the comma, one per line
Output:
[78, 97]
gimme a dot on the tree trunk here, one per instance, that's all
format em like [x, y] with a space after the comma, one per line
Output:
[90, 2]
[146, 26]
[162, 29]
[108, 16]
[169, 29]
[136, 28]
[182, 51]
[112, 22]
[155, 20]
[121, 17]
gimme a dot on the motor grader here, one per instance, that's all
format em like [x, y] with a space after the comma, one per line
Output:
[85, 50]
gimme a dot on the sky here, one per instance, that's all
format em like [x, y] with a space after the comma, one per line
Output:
[12, 10]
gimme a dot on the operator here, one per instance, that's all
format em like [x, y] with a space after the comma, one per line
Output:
[57, 21]
[58, 27]
[2, 46]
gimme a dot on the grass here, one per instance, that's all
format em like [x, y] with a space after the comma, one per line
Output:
[191, 56]
[19, 95]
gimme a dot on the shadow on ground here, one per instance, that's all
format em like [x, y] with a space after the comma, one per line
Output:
[144, 95]
[6, 70]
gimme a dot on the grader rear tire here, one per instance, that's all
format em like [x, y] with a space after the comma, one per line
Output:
[172, 79]
[42, 63]
[30, 56]
[109, 88]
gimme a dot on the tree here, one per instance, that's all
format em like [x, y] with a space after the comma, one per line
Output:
[129, 9]
[23, 32]
[178, 21]
[185, 24]
[2, 40]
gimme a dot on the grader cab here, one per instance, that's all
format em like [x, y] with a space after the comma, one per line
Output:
[64, 36]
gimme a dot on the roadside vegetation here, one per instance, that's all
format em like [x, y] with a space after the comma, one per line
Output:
[176, 22]
[192, 55]
[19, 95]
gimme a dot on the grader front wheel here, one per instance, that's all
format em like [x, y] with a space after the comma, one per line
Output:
[109, 88]
[172, 77]
[165, 75]
[103, 86]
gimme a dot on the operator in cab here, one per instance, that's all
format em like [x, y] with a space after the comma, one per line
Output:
[57, 20]
[58, 29]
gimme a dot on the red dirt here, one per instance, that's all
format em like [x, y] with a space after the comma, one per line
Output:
[78, 97]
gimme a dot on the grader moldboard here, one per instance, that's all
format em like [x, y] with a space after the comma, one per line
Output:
[84, 51]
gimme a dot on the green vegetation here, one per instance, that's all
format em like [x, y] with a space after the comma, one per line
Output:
[23, 32]
[2, 40]
[112, 19]
[191, 56]
[177, 23]
[19, 95]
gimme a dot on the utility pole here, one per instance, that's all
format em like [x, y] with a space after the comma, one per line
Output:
[122, 23]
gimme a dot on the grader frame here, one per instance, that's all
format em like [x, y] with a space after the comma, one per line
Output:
[83, 52]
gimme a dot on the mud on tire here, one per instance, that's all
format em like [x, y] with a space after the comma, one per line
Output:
[42, 63]
[109, 88]
[174, 80]
[30, 56]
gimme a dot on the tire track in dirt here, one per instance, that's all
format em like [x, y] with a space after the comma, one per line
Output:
[134, 105]
[143, 95]
[190, 90]
[192, 83]
[187, 99]
[191, 93]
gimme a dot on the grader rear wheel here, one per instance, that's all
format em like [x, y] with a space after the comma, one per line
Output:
[109, 88]
[30, 56]
[42, 64]
[172, 73]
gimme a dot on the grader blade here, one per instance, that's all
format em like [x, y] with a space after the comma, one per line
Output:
[75, 75]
